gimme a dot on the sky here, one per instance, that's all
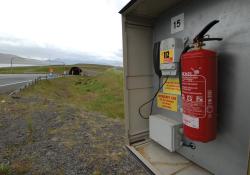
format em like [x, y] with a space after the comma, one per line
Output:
[70, 31]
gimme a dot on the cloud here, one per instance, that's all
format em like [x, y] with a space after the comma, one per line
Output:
[73, 30]
[53, 53]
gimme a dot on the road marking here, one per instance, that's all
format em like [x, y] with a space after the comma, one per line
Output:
[19, 82]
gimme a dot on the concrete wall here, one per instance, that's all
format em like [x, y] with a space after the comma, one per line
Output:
[228, 154]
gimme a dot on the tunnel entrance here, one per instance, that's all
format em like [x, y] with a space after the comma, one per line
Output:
[75, 71]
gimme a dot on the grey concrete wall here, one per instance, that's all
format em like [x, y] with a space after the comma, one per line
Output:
[228, 154]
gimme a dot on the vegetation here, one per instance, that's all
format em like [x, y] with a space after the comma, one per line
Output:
[56, 68]
[102, 93]
[69, 125]
[4, 169]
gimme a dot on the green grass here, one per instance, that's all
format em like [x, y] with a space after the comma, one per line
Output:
[102, 93]
[107, 90]
[5, 169]
[45, 69]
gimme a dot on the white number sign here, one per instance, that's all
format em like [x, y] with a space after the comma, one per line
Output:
[177, 23]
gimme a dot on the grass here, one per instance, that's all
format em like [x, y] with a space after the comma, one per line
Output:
[102, 93]
[21, 167]
[53, 112]
[29, 122]
[56, 68]
[5, 169]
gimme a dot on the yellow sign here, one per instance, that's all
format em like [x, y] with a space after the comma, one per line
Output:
[172, 86]
[167, 101]
[51, 70]
[167, 56]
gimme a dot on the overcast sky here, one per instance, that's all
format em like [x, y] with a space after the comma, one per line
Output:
[72, 30]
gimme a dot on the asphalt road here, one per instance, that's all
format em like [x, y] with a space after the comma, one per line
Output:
[11, 82]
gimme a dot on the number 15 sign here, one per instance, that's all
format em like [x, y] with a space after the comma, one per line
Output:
[177, 23]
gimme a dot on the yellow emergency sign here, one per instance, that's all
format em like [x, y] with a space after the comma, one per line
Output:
[172, 86]
[167, 101]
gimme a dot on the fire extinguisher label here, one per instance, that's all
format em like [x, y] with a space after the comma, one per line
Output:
[194, 93]
[190, 121]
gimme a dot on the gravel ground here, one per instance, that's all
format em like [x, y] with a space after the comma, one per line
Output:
[38, 136]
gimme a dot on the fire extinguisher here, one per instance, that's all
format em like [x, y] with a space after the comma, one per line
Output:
[199, 88]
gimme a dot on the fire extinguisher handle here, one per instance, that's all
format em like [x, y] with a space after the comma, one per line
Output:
[200, 36]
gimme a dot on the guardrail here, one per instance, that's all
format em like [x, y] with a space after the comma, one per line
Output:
[35, 81]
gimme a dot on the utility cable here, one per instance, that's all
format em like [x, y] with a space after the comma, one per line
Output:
[151, 100]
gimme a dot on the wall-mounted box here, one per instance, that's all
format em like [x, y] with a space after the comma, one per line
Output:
[165, 131]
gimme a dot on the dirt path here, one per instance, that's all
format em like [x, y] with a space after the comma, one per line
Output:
[38, 136]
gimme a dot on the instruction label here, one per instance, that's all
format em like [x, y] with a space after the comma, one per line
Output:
[172, 86]
[194, 95]
[167, 56]
[167, 101]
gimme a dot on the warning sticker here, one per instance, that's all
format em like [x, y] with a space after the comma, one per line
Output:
[172, 86]
[167, 101]
[167, 56]
[190, 121]
[193, 95]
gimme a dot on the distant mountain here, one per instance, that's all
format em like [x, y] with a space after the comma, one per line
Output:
[16, 60]
[5, 61]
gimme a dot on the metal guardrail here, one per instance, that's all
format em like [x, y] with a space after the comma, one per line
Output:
[35, 81]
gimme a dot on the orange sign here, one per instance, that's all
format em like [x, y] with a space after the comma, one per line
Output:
[167, 56]
[51, 70]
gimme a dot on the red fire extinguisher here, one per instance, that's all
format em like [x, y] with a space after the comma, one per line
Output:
[199, 89]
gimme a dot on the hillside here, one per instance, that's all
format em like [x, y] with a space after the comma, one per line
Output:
[6, 59]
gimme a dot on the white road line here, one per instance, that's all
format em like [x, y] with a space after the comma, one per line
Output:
[19, 82]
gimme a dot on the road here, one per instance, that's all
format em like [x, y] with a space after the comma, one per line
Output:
[11, 82]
